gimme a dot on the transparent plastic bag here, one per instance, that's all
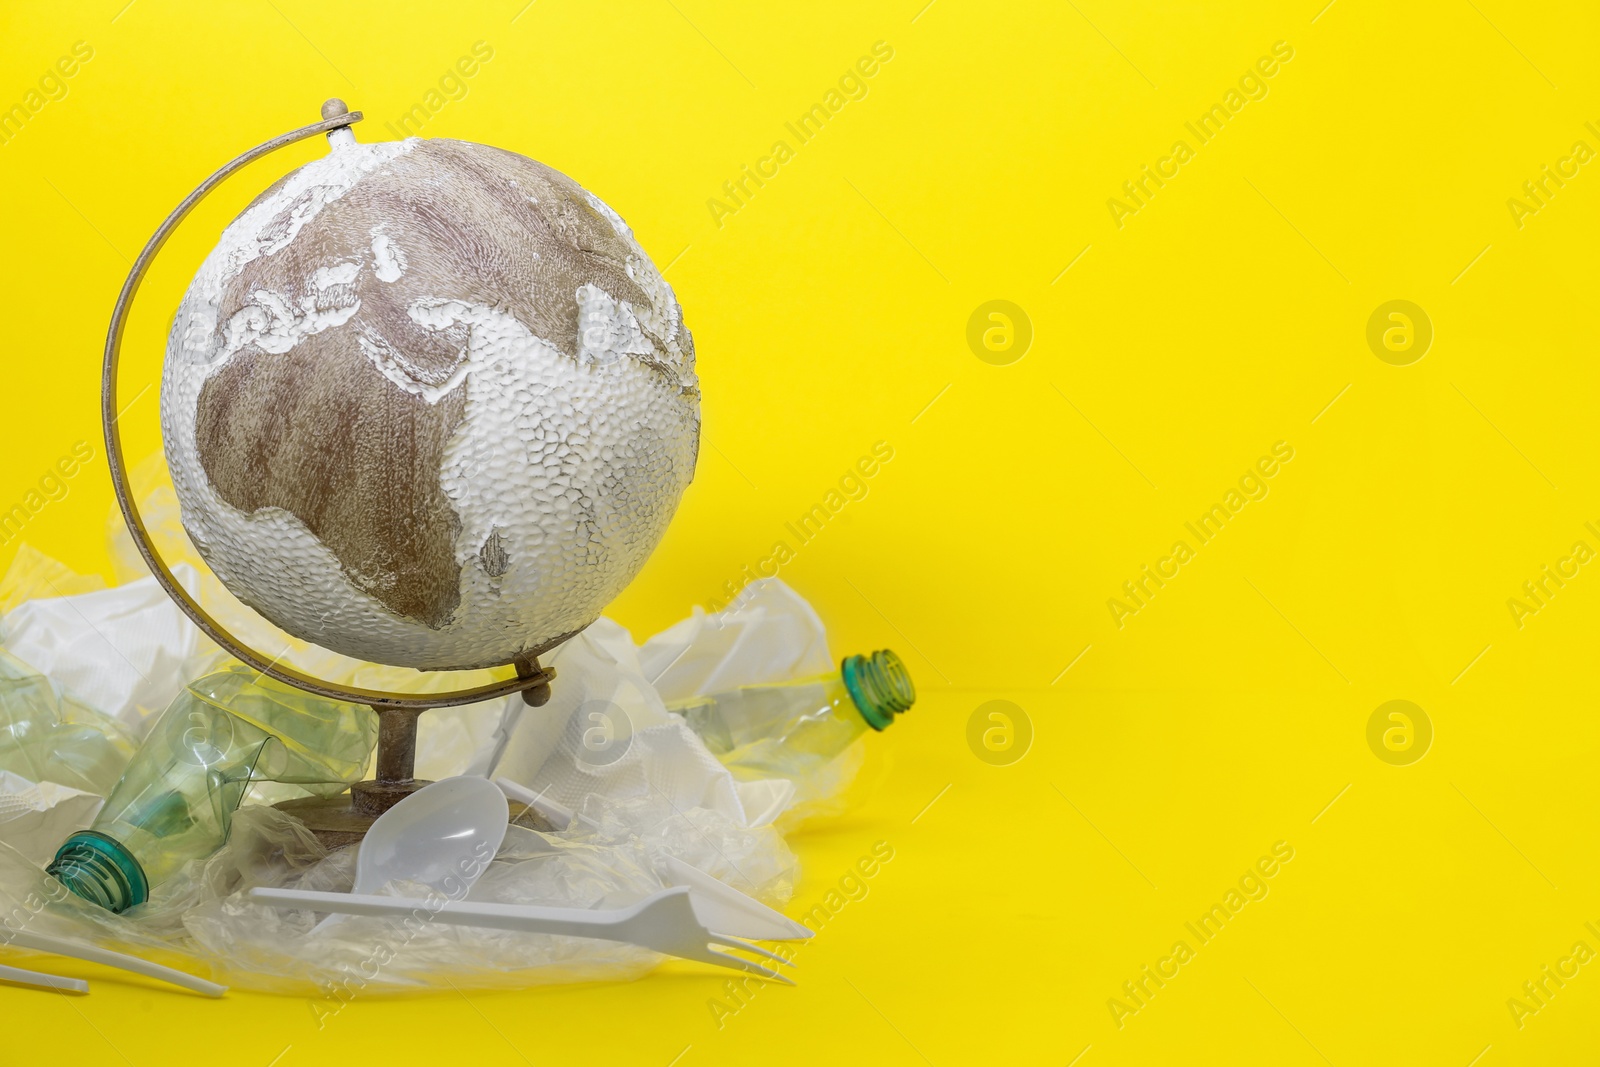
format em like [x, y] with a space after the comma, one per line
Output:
[664, 795]
[33, 574]
[201, 919]
[122, 651]
[48, 737]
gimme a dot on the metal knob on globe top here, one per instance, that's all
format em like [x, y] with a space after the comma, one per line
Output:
[428, 403]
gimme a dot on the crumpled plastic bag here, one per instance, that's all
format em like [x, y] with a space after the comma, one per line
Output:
[607, 731]
[203, 921]
[124, 651]
[35, 817]
[33, 574]
[771, 635]
[667, 796]
[644, 785]
[46, 736]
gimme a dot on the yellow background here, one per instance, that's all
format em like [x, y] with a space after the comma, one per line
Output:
[828, 312]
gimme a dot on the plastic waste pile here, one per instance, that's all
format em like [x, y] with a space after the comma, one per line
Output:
[139, 766]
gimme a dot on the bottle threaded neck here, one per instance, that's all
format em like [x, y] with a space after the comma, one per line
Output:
[880, 686]
[100, 870]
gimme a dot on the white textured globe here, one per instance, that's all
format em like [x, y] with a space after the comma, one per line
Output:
[428, 403]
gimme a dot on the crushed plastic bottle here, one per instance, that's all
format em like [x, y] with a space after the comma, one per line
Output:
[46, 736]
[785, 730]
[175, 802]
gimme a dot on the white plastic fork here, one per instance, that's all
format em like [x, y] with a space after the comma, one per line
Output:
[724, 908]
[719, 904]
[664, 922]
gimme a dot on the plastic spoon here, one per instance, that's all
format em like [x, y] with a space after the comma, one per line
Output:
[443, 836]
[557, 815]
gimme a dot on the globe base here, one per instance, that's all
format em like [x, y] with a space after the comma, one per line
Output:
[337, 821]
[345, 819]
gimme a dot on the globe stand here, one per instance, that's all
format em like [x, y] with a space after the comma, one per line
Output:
[342, 819]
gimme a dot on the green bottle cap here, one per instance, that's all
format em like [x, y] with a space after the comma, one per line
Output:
[100, 870]
[879, 685]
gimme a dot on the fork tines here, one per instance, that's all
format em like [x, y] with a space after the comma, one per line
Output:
[728, 959]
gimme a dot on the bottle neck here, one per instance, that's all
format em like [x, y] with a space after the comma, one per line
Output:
[879, 686]
[100, 870]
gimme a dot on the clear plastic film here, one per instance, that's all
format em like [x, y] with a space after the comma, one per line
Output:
[32, 575]
[202, 920]
[175, 801]
[651, 789]
[46, 736]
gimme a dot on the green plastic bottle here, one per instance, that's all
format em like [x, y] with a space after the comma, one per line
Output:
[175, 802]
[785, 729]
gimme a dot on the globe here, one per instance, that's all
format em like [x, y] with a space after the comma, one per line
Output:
[428, 403]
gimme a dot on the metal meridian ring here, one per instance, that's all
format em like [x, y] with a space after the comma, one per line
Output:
[530, 675]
